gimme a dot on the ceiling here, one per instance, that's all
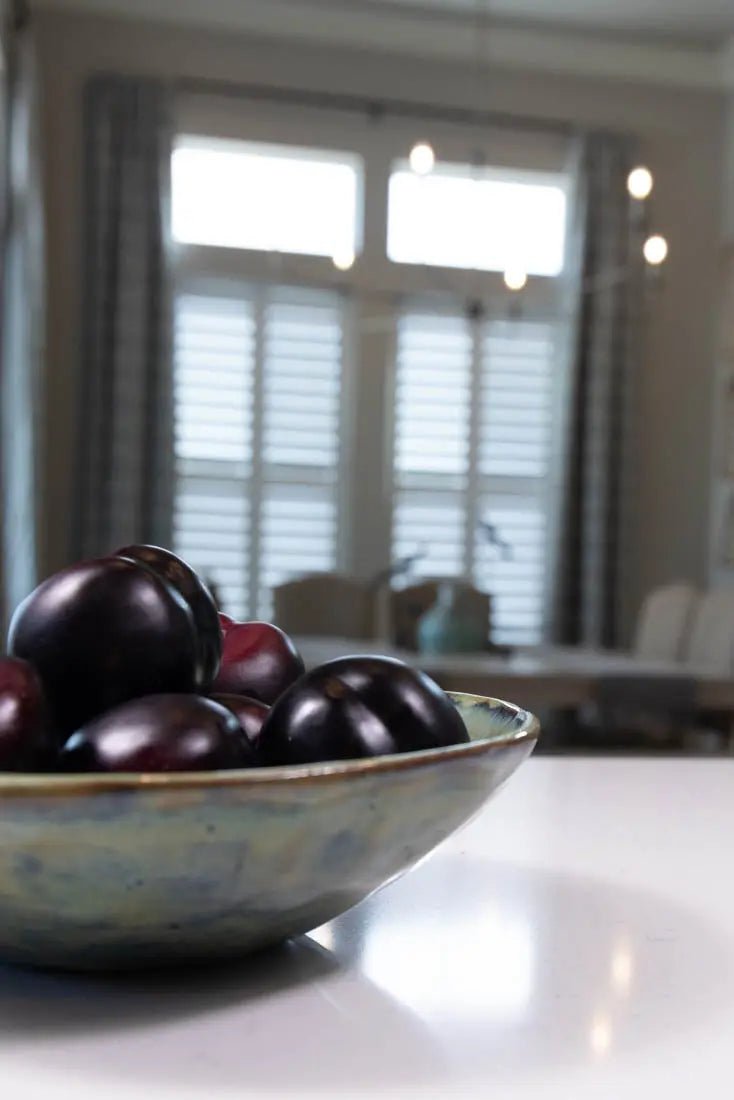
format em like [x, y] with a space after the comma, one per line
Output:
[689, 43]
[695, 20]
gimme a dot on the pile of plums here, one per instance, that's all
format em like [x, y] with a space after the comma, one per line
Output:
[124, 663]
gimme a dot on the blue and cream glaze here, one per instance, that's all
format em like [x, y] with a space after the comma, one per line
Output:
[117, 871]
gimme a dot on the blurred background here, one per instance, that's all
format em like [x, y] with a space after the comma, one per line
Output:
[409, 323]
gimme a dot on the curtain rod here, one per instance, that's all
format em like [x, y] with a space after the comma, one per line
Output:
[373, 107]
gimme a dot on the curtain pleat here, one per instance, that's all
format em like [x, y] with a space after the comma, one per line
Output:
[596, 515]
[124, 470]
[22, 326]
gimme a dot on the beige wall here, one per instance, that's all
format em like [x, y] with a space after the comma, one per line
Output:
[722, 479]
[681, 140]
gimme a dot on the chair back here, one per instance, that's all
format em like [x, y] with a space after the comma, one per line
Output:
[710, 643]
[329, 604]
[665, 621]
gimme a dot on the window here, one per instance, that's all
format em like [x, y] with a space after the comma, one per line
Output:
[278, 198]
[472, 455]
[270, 483]
[482, 218]
[257, 437]
[432, 408]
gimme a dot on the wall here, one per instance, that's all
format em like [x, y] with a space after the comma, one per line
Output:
[721, 565]
[680, 136]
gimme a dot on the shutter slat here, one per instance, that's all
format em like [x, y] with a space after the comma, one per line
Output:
[433, 380]
[432, 395]
[214, 375]
[302, 355]
[432, 427]
[515, 439]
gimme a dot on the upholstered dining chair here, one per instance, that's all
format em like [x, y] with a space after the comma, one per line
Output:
[333, 604]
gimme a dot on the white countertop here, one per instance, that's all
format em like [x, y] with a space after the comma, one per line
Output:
[575, 942]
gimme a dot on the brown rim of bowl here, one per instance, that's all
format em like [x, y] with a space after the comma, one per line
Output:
[45, 784]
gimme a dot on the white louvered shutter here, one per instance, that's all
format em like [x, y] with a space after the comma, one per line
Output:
[214, 370]
[257, 400]
[514, 450]
[458, 468]
[432, 402]
[302, 371]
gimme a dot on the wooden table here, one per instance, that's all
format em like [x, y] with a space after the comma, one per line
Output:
[549, 676]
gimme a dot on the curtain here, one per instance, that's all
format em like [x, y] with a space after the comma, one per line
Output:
[595, 525]
[22, 320]
[125, 447]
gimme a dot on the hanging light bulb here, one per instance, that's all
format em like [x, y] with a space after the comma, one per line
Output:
[515, 279]
[640, 182]
[655, 249]
[422, 158]
[344, 259]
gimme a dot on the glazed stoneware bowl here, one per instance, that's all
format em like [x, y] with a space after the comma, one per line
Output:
[120, 871]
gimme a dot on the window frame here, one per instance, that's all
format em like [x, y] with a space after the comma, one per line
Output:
[283, 150]
[376, 290]
[493, 174]
[380, 143]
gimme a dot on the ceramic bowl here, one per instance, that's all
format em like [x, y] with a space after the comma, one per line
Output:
[119, 871]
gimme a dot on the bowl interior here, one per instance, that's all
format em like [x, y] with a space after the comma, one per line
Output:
[491, 723]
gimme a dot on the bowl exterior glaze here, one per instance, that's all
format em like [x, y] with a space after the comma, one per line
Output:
[107, 872]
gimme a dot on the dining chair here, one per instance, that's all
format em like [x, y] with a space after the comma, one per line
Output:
[710, 642]
[710, 649]
[665, 621]
[654, 711]
[333, 604]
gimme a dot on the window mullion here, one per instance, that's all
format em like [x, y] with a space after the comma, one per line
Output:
[370, 470]
[256, 466]
[471, 510]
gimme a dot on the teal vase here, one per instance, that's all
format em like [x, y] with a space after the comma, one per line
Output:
[449, 626]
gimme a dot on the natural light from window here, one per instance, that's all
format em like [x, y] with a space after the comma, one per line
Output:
[481, 218]
[274, 198]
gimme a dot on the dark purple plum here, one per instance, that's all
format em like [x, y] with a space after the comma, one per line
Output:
[159, 733]
[183, 578]
[356, 707]
[101, 632]
[250, 713]
[25, 744]
[258, 660]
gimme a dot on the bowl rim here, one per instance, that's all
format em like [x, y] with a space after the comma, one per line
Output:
[45, 784]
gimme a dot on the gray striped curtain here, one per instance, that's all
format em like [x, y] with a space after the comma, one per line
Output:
[595, 522]
[125, 439]
[22, 306]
